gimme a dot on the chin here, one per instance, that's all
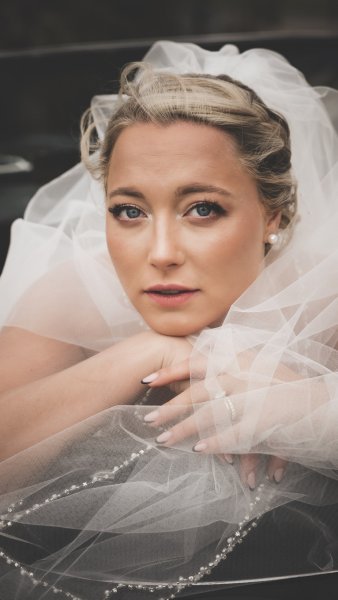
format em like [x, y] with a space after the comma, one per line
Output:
[182, 324]
[177, 328]
[177, 332]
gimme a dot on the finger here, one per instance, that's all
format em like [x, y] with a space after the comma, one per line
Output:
[226, 458]
[187, 428]
[179, 386]
[248, 464]
[179, 406]
[204, 419]
[168, 375]
[172, 410]
[276, 468]
[226, 441]
[178, 372]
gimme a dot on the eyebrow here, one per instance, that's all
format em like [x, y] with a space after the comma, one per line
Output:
[185, 190]
[200, 187]
[126, 191]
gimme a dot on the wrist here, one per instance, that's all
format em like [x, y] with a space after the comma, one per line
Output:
[122, 367]
[151, 347]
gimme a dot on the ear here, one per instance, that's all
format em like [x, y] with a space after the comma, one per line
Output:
[272, 224]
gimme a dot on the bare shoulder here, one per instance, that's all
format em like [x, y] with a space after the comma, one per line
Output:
[27, 357]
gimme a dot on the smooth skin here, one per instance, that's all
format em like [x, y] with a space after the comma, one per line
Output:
[47, 386]
[181, 209]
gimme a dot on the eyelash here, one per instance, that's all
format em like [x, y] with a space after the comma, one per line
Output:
[214, 206]
[218, 210]
[117, 209]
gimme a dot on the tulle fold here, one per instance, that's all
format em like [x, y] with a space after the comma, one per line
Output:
[101, 506]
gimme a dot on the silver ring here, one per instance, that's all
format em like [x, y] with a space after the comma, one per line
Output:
[220, 395]
[228, 403]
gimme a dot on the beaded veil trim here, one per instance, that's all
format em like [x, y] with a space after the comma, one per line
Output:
[167, 591]
[14, 513]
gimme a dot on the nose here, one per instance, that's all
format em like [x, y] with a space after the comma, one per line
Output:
[166, 246]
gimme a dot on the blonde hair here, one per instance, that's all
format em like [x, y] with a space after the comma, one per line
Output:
[261, 135]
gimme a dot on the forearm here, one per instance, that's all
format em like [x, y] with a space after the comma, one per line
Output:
[35, 411]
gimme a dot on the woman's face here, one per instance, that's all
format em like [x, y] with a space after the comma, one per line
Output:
[185, 227]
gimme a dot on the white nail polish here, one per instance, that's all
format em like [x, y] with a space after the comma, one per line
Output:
[150, 378]
[152, 416]
[200, 446]
[229, 459]
[251, 480]
[163, 437]
[278, 475]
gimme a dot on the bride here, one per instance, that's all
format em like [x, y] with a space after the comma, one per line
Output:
[169, 332]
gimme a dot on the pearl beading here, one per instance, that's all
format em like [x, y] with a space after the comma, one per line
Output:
[14, 513]
[11, 516]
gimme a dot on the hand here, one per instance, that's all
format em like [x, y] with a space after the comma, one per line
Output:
[170, 352]
[211, 415]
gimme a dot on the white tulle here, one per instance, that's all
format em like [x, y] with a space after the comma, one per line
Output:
[169, 511]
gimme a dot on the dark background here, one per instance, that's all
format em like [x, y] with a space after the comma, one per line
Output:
[56, 54]
[36, 23]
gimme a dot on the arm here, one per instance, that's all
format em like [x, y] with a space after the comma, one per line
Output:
[48, 385]
[190, 422]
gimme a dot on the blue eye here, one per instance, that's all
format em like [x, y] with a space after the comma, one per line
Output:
[125, 212]
[203, 210]
[132, 212]
[207, 209]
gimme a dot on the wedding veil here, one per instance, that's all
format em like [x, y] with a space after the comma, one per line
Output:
[100, 510]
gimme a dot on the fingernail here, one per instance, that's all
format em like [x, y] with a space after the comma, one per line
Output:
[278, 475]
[251, 480]
[164, 437]
[229, 459]
[200, 446]
[150, 378]
[152, 416]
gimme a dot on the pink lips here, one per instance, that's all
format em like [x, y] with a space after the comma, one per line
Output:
[170, 295]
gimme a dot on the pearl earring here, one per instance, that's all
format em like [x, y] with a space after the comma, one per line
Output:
[273, 238]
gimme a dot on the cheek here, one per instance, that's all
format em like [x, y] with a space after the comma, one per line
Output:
[232, 258]
[112, 246]
[229, 248]
[117, 248]
[126, 255]
[246, 239]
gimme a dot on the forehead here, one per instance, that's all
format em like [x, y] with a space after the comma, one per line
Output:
[151, 146]
[157, 160]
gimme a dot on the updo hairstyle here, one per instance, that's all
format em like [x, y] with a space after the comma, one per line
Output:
[261, 135]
